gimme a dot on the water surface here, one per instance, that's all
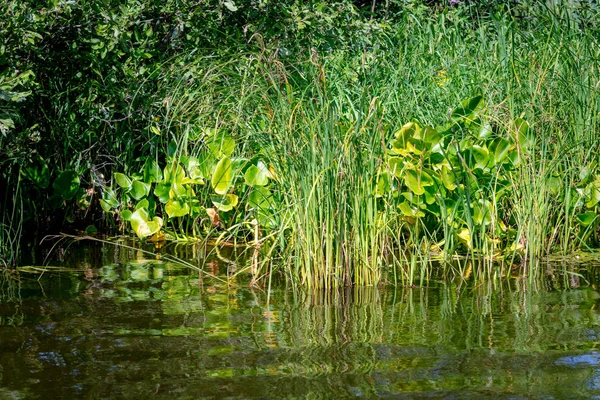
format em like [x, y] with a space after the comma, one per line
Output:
[124, 324]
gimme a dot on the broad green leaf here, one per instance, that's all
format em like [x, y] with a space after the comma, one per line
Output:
[126, 215]
[142, 225]
[225, 203]
[395, 165]
[221, 146]
[431, 136]
[468, 107]
[143, 204]
[91, 230]
[410, 210]
[465, 236]
[417, 180]
[222, 176]
[194, 171]
[415, 146]
[481, 156]
[139, 189]
[174, 173]
[257, 176]
[162, 191]
[482, 213]
[109, 200]
[586, 218]
[448, 178]
[592, 195]
[499, 147]
[123, 180]
[177, 208]
[152, 172]
[38, 173]
[261, 198]
[555, 184]
[409, 130]
[522, 131]
[230, 5]
[66, 184]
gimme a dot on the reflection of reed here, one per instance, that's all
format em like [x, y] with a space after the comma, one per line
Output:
[10, 298]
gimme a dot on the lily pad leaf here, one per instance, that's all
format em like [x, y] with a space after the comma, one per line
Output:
[222, 176]
[586, 218]
[66, 184]
[448, 178]
[123, 180]
[126, 215]
[139, 189]
[257, 175]
[500, 148]
[176, 208]
[468, 107]
[417, 180]
[142, 225]
[38, 173]
[225, 203]
[152, 172]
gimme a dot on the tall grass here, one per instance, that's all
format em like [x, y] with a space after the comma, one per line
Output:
[324, 121]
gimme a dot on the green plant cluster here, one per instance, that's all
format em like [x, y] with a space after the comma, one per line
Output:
[201, 194]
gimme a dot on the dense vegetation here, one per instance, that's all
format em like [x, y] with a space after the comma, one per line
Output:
[348, 143]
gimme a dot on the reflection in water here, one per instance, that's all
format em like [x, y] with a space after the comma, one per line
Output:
[126, 326]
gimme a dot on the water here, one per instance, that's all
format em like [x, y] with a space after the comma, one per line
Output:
[123, 324]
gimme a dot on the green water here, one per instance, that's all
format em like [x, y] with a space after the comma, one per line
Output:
[126, 325]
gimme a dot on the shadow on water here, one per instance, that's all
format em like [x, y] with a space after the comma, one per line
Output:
[118, 323]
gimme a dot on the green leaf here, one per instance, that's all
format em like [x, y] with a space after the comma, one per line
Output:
[174, 173]
[448, 178]
[481, 156]
[123, 180]
[38, 173]
[126, 215]
[143, 204]
[66, 184]
[408, 131]
[225, 203]
[431, 136]
[222, 176]
[152, 172]
[396, 165]
[162, 191]
[221, 146]
[139, 189]
[91, 230]
[176, 208]
[109, 200]
[194, 171]
[257, 175]
[142, 225]
[467, 108]
[410, 210]
[417, 180]
[500, 148]
[586, 218]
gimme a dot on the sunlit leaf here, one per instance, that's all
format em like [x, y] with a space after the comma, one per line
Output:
[586, 218]
[122, 180]
[139, 189]
[226, 202]
[177, 208]
[142, 225]
[222, 177]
